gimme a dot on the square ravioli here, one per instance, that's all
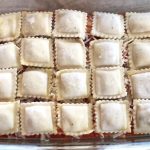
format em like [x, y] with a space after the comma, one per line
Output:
[38, 118]
[36, 52]
[139, 54]
[9, 55]
[107, 25]
[118, 121]
[141, 116]
[37, 23]
[10, 25]
[70, 53]
[138, 24]
[8, 84]
[106, 53]
[9, 117]
[70, 23]
[108, 83]
[73, 84]
[35, 83]
[73, 123]
[140, 82]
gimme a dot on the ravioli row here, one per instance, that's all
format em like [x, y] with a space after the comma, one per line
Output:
[139, 73]
[72, 23]
[48, 118]
[69, 84]
[61, 53]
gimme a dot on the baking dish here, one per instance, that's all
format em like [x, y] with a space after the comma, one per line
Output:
[118, 6]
